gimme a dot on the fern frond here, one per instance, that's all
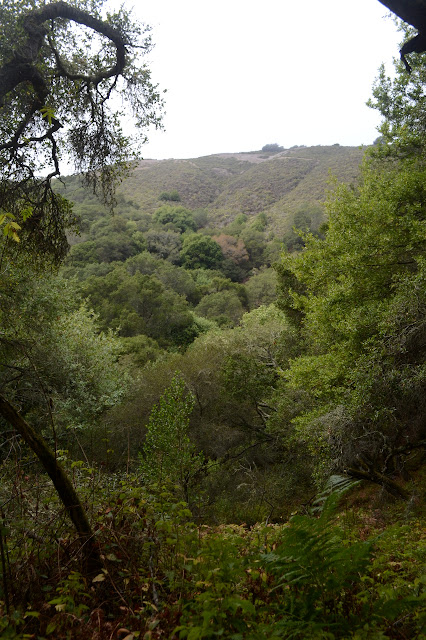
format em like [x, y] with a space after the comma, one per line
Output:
[326, 501]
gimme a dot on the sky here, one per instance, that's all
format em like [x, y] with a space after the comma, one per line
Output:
[240, 74]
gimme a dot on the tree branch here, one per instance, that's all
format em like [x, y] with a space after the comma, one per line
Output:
[62, 483]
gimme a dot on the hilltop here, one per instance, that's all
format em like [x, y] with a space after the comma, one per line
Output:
[228, 184]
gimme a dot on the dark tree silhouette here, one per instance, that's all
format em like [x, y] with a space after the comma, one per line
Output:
[413, 12]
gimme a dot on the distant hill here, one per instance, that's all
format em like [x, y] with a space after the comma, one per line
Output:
[225, 185]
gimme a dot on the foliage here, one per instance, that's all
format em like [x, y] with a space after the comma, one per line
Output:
[165, 576]
[274, 148]
[223, 307]
[261, 404]
[343, 288]
[177, 218]
[233, 376]
[164, 244]
[200, 252]
[170, 196]
[400, 101]
[168, 456]
[67, 371]
[139, 350]
[56, 103]
[138, 304]
[232, 248]
[261, 288]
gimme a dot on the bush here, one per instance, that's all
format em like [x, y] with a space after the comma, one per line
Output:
[170, 196]
[272, 148]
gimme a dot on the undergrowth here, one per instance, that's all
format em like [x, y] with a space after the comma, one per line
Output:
[164, 576]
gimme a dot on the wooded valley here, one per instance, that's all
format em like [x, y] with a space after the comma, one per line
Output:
[212, 379]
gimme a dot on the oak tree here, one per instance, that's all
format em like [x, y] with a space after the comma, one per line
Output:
[61, 64]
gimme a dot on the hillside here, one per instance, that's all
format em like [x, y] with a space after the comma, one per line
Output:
[225, 185]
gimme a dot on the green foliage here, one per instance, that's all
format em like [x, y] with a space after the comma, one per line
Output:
[140, 349]
[343, 290]
[108, 248]
[223, 307]
[138, 304]
[71, 69]
[313, 584]
[321, 579]
[71, 591]
[261, 288]
[79, 366]
[170, 196]
[233, 375]
[169, 457]
[164, 244]
[177, 217]
[163, 574]
[68, 370]
[255, 243]
[400, 101]
[200, 252]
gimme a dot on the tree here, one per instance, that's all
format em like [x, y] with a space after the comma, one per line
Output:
[261, 288]
[164, 244]
[223, 307]
[136, 304]
[400, 99]
[232, 248]
[168, 454]
[272, 148]
[200, 252]
[57, 372]
[60, 65]
[170, 196]
[178, 217]
[351, 290]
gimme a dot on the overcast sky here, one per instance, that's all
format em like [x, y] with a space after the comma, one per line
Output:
[240, 74]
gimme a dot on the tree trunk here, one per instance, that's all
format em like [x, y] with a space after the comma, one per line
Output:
[378, 478]
[62, 483]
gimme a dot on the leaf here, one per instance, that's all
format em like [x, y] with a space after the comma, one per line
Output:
[50, 628]
[47, 113]
[26, 213]
[99, 578]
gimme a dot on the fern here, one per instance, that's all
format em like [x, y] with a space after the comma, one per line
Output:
[314, 585]
[335, 487]
[316, 572]
[320, 578]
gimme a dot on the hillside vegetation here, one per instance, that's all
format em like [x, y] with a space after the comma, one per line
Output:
[225, 185]
[209, 373]
[213, 408]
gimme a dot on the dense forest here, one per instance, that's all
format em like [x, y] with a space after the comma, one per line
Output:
[212, 376]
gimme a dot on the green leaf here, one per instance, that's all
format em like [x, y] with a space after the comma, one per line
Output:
[99, 578]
